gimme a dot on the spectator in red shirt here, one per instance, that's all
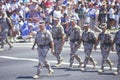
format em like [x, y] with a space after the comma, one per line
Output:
[48, 4]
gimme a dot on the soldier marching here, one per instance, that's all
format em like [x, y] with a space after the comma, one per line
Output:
[105, 45]
[44, 41]
[116, 40]
[75, 41]
[58, 37]
[88, 39]
[4, 30]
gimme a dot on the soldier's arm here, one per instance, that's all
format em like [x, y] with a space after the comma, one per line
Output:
[80, 37]
[63, 38]
[34, 44]
[51, 42]
[62, 30]
[67, 35]
[114, 39]
[97, 40]
[52, 46]
[9, 22]
[113, 42]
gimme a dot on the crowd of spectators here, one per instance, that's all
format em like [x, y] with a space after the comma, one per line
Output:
[24, 14]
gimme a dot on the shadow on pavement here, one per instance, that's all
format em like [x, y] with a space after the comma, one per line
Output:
[72, 69]
[54, 67]
[91, 71]
[25, 77]
[54, 75]
[43, 76]
[106, 73]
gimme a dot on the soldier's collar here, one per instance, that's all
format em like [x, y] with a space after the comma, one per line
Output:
[57, 25]
[74, 27]
[43, 30]
[106, 32]
[88, 31]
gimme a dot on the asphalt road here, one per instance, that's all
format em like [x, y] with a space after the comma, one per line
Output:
[20, 63]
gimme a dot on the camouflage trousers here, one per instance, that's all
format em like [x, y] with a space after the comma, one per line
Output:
[105, 51]
[88, 50]
[42, 53]
[58, 49]
[3, 37]
[118, 53]
[74, 47]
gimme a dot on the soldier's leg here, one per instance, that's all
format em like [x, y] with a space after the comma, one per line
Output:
[78, 59]
[85, 60]
[2, 43]
[86, 57]
[71, 59]
[91, 59]
[45, 62]
[102, 66]
[39, 69]
[47, 65]
[85, 63]
[118, 65]
[55, 54]
[40, 66]
[58, 49]
[41, 55]
[110, 63]
[8, 42]
[59, 58]
[72, 54]
[104, 58]
[103, 61]
[2, 40]
[107, 59]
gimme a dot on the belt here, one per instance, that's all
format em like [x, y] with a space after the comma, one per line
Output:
[87, 42]
[57, 38]
[106, 44]
[74, 40]
[42, 46]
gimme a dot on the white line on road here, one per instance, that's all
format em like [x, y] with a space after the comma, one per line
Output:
[36, 60]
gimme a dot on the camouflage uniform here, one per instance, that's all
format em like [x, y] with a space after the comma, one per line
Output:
[117, 42]
[43, 40]
[4, 32]
[57, 34]
[88, 39]
[75, 40]
[105, 45]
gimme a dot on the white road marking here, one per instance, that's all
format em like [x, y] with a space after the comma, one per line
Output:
[36, 60]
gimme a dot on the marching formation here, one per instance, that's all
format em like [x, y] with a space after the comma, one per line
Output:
[53, 22]
[56, 39]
